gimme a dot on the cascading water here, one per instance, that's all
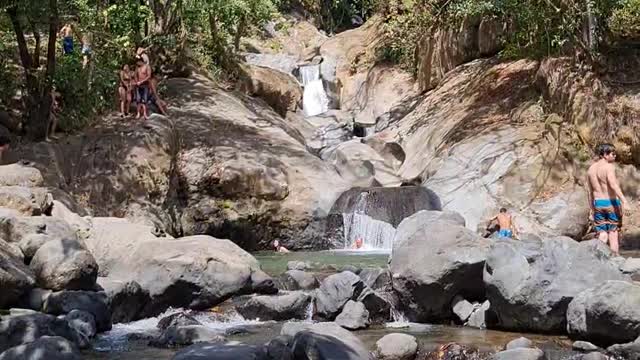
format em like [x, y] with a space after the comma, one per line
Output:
[314, 100]
[375, 234]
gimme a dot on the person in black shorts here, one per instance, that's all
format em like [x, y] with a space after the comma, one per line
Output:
[143, 74]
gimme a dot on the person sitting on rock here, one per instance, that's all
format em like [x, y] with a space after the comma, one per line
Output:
[5, 141]
[505, 223]
[279, 248]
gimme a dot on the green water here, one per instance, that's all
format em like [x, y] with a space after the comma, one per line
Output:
[328, 261]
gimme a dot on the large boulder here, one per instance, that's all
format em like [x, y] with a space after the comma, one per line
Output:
[286, 306]
[16, 228]
[126, 299]
[606, 314]
[195, 272]
[176, 320]
[376, 278]
[628, 351]
[46, 347]
[95, 303]
[16, 279]
[530, 285]
[298, 280]
[280, 90]
[432, 263]
[396, 347]
[334, 292]
[81, 225]
[27, 201]
[30, 244]
[20, 175]
[83, 323]
[64, 264]
[354, 316]
[324, 341]
[24, 329]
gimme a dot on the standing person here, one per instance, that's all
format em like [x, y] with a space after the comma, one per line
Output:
[53, 116]
[124, 90]
[86, 50]
[142, 53]
[606, 201]
[143, 74]
[67, 38]
[506, 224]
[5, 142]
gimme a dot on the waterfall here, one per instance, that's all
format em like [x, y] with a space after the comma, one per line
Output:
[375, 234]
[309, 313]
[314, 99]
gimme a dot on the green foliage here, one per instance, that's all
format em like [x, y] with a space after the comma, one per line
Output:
[625, 20]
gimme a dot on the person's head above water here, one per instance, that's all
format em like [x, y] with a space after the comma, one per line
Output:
[606, 152]
[125, 67]
[503, 210]
[276, 244]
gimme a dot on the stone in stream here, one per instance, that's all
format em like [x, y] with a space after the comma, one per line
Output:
[478, 318]
[396, 347]
[217, 351]
[519, 343]
[19, 330]
[285, 306]
[280, 348]
[606, 314]
[378, 305]
[354, 316]
[530, 285]
[628, 351]
[298, 280]
[335, 291]
[126, 299]
[325, 341]
[45, 348]
[584, 346]
[376, 278]
[183, 335]
[298, 265]
[64, 264]
[519, 354]
[95, 303]
[462, 308]
[16, 279]
[83, 322]
[432, 262]
[178, 319]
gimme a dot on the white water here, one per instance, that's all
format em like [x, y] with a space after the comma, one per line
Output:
[375, 234]
[314, 99]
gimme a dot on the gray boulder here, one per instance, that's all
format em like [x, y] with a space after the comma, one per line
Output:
[83, 323]
[286, 306]
[325, 341]
[335, 291]
[15, 228]
[126, 299]
[432, 262]
[530, 289]
[19, 330]
[354, 316]
[27, 201]
[34, 300]
[45, 348]
[16, 279]
[216, 351]
[396, 347]
[584, 346]
[20, 175]
[64, 265]
[628, 351]
[298, 265]
[519, 354]
[606, 314]
[95, 303]
[479, 316]
[186, 335]
[462, 308]
[280, 348]
[378, 305]
[376, 278]
[30, 244]
[519, 343]
[178, 319]
[298, 280]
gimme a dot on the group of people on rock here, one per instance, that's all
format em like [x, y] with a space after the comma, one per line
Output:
[139, 86]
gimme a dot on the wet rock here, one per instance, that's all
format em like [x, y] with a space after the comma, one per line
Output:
[280, 348]
[329, 130]
[95, 303]
[584, 346]
[335, 291]
[298, 280]
[324, 341]
[34, 300]
[628, 351]
[519, 343]
[221, 352]
[286, 306]
[462, 308]
[594, 356]
[46, 347]
[126, 299]
[531, 290]
[64, 265]
[298, 265]
[432, 262]
[187, 335]
[82, 322]
[377, 304]
[519, 354]
[26, 200]
[280, 90]
[478, 318]
[20, 175]
[16, 279]
[376, 278]
[178, 319]
[352, 268]
[16, 228]
[607, 313]
[18, 312]
[354, 316]
[261, 283]
[19, 330]
[396, 347]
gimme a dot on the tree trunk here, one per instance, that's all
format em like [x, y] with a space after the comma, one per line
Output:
[36, 51]
[239, 32]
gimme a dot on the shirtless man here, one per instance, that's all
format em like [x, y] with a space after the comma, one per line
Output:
[5, 141]
[505, 221]
[606, 200]
[67, 38]
[143, 74]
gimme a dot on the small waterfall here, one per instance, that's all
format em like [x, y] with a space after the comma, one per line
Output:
[375, 234]
[309, 316]
[314, 100]
[399, 319]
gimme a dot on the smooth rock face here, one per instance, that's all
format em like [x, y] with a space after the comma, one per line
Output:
[195, 272]
[16, 228]
[462, 308]
[335, 291]
[46, 347]
[95, 303]
[27, 201]
[220, 352]
[376, 278]
[479, 317]
[282, 307]
[126, 299]
[396, 347]
[16, 279]
[18, 330]
[64, 265]
[280, 90]
[531, 288]
[606, 314]
[354, 316]
[298, 280]
[433, 262]
[584, 346]
[519, 343]
[81, 225]
[187, 335]
[519, 354]
[20, 175]
[378, 304]
[324, 341]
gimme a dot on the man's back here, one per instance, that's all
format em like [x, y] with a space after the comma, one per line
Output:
[599, 174]
[504, 220]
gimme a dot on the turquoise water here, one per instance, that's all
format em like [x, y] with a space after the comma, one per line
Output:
[275, 264]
